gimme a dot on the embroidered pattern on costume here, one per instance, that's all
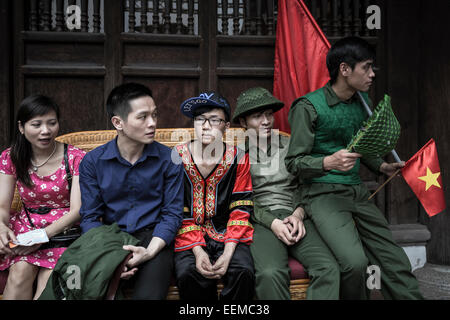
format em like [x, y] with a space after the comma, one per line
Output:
[241, 203]
[239, 223]
[188, 229]
[211, 183]
[213, 180]
[197, 183]
[211, 231]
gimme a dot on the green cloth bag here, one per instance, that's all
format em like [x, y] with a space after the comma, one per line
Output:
[84, 270]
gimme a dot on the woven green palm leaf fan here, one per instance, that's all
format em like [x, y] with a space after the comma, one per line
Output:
[379, 134]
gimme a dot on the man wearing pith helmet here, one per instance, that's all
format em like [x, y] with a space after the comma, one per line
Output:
[213, 241]
[280, 228]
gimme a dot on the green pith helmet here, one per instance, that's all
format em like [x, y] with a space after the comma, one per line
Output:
[379, 134]
[253, 100]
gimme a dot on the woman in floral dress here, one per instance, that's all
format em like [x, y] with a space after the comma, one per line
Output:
[35, 162]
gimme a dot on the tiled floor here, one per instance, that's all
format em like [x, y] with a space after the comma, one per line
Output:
[434, 281]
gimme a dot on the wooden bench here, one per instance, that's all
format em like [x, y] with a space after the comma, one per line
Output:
[88, 140]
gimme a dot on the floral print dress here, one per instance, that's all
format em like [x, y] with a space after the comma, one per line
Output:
[50, 191]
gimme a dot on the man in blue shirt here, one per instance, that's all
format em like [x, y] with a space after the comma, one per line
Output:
[132, 181]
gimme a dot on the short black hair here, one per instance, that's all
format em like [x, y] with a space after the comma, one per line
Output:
[203, 109]
[350, 50]
[118, 100]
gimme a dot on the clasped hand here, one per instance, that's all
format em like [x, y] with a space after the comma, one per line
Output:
[206, 268]
[140, 255]
[289, 230]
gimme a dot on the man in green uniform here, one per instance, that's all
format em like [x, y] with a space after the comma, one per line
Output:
[280, 229]
[323, 123]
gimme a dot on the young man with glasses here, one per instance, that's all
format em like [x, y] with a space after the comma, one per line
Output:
[213, 241]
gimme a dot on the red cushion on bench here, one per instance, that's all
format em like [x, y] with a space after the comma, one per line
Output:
[297, 270]
[3, 279]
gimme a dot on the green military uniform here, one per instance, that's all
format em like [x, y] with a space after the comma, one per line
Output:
[273, 191]
[354, 229]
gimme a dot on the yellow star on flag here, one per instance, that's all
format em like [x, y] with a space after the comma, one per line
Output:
[430, 179]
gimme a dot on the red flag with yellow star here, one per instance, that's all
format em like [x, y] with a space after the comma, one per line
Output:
[423, 174]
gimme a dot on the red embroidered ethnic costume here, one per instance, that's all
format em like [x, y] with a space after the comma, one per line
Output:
[218, 205]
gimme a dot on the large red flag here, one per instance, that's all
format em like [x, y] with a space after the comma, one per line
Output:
[300, 57]
[423, 174]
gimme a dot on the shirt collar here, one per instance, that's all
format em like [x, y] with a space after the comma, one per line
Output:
[332, 98]
[112, 151]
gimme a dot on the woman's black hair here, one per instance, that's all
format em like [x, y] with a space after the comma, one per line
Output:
[350, 50]
[21, 151]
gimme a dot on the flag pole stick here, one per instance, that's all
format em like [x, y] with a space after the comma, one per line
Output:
[381, 187]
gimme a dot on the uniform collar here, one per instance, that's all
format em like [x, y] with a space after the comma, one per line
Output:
[332, 98]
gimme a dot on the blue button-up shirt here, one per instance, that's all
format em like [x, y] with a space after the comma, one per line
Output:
[147, 193]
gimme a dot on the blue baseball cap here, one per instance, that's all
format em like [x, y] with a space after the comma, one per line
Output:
[206, 99]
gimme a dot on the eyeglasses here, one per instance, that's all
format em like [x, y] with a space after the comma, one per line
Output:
[213, 122]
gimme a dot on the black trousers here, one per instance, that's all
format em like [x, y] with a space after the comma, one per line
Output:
[238, 282]
[152, 280]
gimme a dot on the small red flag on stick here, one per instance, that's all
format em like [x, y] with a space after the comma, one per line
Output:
[423, 174]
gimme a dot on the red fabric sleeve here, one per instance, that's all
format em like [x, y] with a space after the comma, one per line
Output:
[243, 181]
[239, 229]
[189, 236]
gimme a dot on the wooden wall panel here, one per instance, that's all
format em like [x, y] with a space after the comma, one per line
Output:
[434, 115]
[80, 100]
[402, 85]
[246, 55]
[161, 55]
[63, 54]
[5, 74]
